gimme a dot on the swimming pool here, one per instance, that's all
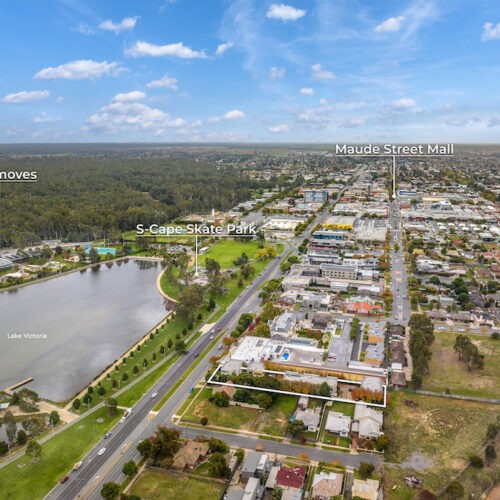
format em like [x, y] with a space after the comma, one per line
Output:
[101, 250]
[285, 356]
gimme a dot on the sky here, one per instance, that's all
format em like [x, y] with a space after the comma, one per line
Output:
[311, 71]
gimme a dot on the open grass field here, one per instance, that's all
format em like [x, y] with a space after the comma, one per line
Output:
[273, 421]
[158, 484]
[34, 480]
[433, 438]
[447, 372]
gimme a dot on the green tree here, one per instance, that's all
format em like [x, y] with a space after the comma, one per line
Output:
[54, 418]
[490, 454]
[325, 390]
[10, 426]
[277, 493]
[476, 461]
[94, 256]
[110, 491]
[112, 405]
[454, 491]
[296, 428]
[101, 390]
[4, 448]
[144, 448]
[262, 330]
[220, 399]
[22, 437]
[190, 301]
[365, 469]
[217, 445]
[33, 449]
[180, 346]
[239, 454]
[217, 465]
[264, 400]
[203, 421]
[130, 468]
[76, 404]
[135, 370]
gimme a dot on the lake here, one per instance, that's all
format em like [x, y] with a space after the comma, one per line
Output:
[84, 321]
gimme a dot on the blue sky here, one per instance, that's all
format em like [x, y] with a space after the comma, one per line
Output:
[250, 71]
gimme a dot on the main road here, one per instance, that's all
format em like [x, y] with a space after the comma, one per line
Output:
[120, 447]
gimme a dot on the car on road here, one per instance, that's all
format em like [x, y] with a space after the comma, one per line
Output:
[77, 465]
[211, 337]
[219, 329]
[154, 394]
[107, 435]
[197, 354]
[64, 479]
[102, 451]
[219, 347]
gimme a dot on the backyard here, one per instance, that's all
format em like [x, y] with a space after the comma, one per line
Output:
[272, 421]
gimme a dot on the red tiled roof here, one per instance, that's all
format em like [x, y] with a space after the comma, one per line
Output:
[291, 477]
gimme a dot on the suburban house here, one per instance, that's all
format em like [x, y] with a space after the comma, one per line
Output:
[283, 326]
[255, 465]
[326, 486]
[338, 423]
[367, 421]
[310, 418]
[228, 390]
[362, 308]
[190, 455]
[374, 354]
[367, 489]
[253, 491]
[291, 481]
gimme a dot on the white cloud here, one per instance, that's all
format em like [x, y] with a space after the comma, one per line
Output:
[223, 47]
[125, 24]
[135, 95]
[80, 70]
[307, 91]
[353, 123]
[279, 129]
[43, 118]
[174, 49]
[404, 103]
[284, 12]
[391, 24]
[84, 29]
[124, 116]
[317, 117]
[318, 73]
[418, 14]
[165, 82]
[276, 73]
[491, 32]
[26, 96]
[234, 114]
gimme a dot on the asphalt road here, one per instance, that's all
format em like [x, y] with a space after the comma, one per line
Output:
[401, 306]
[121, 446]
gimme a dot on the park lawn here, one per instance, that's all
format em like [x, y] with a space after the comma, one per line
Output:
[447, 372]
[171, 288]
[35, 480]
[442, 431]
[226, 251]
[152, 485]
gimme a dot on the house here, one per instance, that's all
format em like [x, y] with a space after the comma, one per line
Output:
[374, 354]
[338, 423]
[313, 300]
[310, 418]
[320, 321]
[367, 490]
[254, 465]
[229, 390]
[303, 402]
[253, 490]
[367, 421]
[283, 326]
[291, 481]
[326, 486]
[190, 455]
[271, 478]
[362, 308]
[373, 384]
[398, 379]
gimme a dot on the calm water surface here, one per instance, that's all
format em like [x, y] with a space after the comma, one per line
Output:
[90, 318]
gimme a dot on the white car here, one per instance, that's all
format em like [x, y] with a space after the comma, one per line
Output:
[154, 394]
[101, 451]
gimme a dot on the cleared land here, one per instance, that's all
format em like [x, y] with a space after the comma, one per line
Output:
[447, 372]
[225, 252]
[156, 484]
[432, 437]
[273, 421]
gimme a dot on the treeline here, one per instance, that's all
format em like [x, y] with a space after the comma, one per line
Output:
[421, 339]
[76, 198]
[468, 353]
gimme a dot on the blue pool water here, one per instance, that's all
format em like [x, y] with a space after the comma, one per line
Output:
[285, 356]
[101, 250]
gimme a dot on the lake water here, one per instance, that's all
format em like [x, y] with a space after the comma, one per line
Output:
[89, 318]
